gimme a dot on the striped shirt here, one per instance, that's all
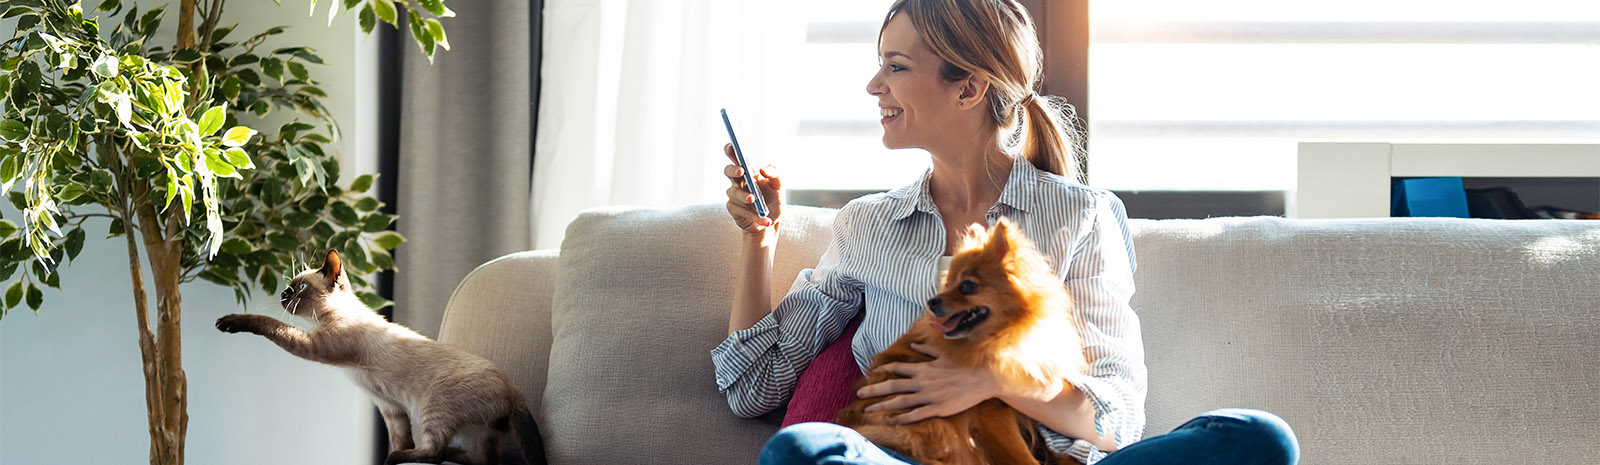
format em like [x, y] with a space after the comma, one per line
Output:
[884, 257]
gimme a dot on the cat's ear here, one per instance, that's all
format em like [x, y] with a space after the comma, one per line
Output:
[333, 267]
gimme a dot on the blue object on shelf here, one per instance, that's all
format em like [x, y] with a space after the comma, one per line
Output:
[1444, 197]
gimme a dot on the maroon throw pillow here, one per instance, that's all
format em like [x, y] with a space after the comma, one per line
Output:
[826, 387]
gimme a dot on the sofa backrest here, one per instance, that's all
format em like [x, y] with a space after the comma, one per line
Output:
[641, 298]
[1415, 340]
[1418, 340]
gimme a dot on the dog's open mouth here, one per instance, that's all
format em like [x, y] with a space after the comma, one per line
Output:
[962, 322]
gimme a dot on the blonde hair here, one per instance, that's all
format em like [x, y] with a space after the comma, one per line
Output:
[995, 41]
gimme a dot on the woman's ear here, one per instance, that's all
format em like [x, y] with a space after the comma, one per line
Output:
[971, 92]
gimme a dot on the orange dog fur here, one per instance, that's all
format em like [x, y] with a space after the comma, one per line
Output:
[1000, 306]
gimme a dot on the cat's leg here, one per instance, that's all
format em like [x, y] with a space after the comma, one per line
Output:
[488, 447]
[398, 425]
[439, 421]
[290, 338]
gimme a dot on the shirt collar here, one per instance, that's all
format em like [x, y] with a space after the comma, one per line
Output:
[1017, 193]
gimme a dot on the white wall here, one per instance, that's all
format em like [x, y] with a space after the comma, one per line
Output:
[71, 390]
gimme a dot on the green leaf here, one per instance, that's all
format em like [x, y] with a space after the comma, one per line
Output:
[218, 166]
[299, 71]
[151, 19]
[237, 136]
[282, 242]
[6, 272]
[273, 67]
[70, 192]
[368, 19]
[381, 259]
[348, 4]
[14, 294]
[299, 220]
[110, 5]
[75, 242]
[367, 204]
[374, 301]
[437, 8]
[106, 66]
[386, 11]
[13, 130]
[437, 32]
[376, 222]
[212, 120]
[187, 55]
[35, 297]
[116, 228]
[388, 240]
[344, 214]
[236, 246]
[9, 171]
[7, 228]
[220, 33]
[361, 184]
[239, 159]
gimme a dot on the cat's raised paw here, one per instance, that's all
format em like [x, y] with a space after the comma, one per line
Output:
[233, 323]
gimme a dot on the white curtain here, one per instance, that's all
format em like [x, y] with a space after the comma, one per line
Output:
[628, 103]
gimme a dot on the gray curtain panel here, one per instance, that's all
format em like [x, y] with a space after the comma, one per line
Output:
[465, 155]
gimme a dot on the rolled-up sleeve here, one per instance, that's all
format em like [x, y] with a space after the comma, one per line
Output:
[757, 367]
[1100, 281]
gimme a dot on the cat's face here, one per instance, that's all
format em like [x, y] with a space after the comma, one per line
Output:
[308, 293]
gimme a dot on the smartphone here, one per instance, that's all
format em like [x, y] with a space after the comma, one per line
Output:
[749, 179]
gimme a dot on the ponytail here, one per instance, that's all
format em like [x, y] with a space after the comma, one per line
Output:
[1050, 139]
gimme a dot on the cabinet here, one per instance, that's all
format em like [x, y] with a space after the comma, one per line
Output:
[1352, 179]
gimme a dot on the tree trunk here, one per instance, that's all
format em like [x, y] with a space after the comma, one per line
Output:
[166, 387]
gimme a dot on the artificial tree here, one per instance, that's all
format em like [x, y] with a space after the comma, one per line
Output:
[107, 124]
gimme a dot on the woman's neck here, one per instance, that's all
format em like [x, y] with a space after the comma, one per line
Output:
[969, 177]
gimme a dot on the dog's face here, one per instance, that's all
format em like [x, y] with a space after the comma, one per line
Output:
[984, 291]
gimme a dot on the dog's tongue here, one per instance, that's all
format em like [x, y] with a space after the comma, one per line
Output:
[949, 324]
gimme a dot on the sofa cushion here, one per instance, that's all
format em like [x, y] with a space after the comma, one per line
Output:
[1418, 340]
[642, 297]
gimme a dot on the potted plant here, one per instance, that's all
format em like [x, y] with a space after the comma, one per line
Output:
[100, 121]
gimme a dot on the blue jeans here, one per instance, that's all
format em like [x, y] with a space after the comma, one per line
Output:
[1227, 436]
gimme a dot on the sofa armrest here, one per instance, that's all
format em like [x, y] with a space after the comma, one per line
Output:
[501, 311]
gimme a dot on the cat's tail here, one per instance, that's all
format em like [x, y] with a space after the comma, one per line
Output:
[528, 439]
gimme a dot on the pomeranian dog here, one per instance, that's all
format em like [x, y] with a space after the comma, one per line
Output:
[1000, 306]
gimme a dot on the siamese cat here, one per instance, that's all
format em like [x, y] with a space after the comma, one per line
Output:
[460, 405]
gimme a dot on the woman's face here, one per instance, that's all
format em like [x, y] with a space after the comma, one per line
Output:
[915, 102]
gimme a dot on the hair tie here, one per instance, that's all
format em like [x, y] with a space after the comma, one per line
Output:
[1026, 98]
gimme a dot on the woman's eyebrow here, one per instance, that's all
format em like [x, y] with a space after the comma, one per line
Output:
[892, 53]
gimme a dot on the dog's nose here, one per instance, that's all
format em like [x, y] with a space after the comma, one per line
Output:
[934, 307]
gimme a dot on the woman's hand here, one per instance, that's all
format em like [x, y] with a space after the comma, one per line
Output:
[930, 389]
[742, 205]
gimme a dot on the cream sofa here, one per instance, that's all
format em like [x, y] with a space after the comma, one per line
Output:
[1409, 341]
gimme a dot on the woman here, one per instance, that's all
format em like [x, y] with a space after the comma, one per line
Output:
[956, 78]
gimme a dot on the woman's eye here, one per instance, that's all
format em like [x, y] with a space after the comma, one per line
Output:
[968, 287]
[896, 68]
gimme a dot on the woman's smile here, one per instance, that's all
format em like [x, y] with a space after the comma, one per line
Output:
[888, 114]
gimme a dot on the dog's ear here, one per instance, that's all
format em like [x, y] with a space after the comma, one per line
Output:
[1000, 238]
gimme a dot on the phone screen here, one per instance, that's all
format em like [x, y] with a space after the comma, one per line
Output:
[749, 179]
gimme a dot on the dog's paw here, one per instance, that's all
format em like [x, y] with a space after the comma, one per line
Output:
[233, 323]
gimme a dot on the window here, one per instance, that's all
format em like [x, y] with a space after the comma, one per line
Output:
[1215, 95]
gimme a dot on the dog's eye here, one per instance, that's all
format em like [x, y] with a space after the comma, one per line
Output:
[968, 287]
